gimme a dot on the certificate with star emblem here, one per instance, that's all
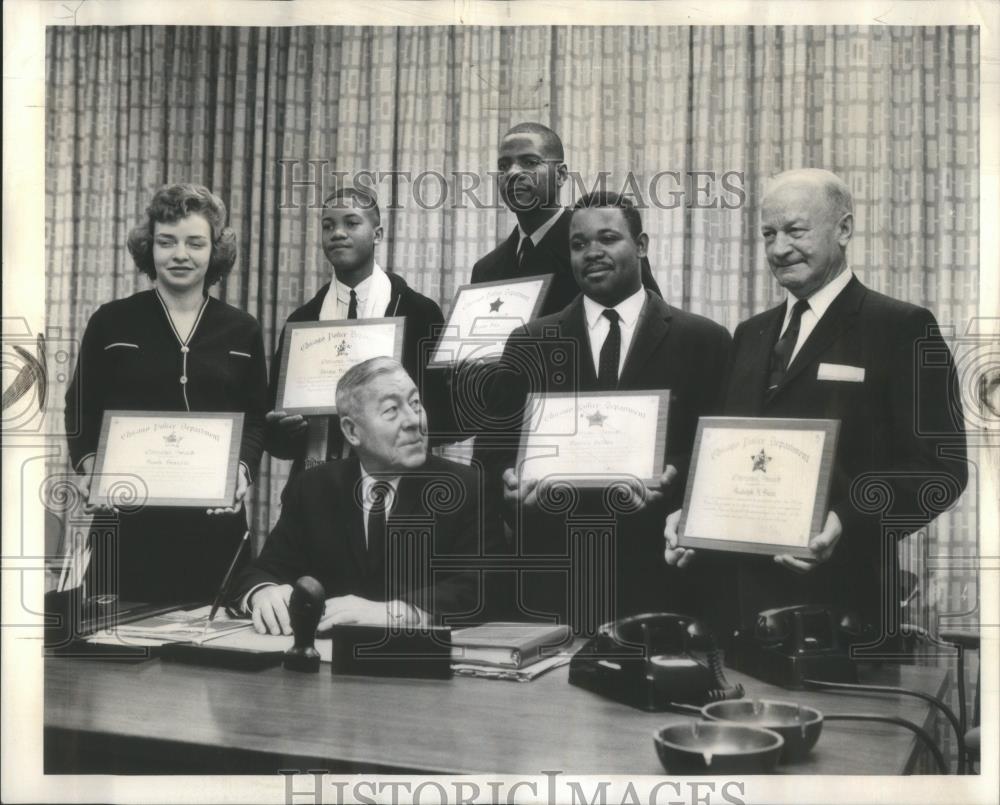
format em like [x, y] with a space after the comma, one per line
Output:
[484, 315]
[596, 439]
[758, 485]
[316, 354]
[166, 458]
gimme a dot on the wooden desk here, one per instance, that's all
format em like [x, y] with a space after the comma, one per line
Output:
[157, 717]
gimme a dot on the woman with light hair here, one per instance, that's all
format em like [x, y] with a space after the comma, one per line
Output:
[171, 348]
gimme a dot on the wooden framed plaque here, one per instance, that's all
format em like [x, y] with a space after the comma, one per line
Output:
[758, 485]
[167, 458]
[316, 354]
[484, 315]
[596, 438]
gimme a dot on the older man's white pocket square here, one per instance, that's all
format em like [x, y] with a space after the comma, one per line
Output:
[842, 372]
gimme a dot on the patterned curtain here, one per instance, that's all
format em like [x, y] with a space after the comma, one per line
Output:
[690, 120]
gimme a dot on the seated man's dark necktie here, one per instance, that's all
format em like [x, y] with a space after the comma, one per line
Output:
[524, 253]
[785, 346]
[378, 496]
[352, 308]
[607, 365]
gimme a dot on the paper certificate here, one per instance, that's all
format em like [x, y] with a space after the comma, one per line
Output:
[595, 439]
[758, 485]
[316, 354]
[484, 315]
[167, 458]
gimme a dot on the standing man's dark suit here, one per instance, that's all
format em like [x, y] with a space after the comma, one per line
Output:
[671, 349]
[321, 533]
[551, 256]
[837, 350]
[901, 442]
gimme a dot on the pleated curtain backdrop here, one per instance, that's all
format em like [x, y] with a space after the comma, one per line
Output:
[894, 111]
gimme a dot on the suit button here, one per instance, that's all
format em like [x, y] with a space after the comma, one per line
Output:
[185, 350]
[184, 379]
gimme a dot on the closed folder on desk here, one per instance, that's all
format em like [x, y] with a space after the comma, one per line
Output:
[507, 645]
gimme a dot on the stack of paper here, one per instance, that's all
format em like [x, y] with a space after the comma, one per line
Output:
[180, 626]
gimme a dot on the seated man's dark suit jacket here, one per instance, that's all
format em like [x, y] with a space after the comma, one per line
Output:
[423, 322]
[900, 458]
[551, 256]
[320, 533]
[670, 349]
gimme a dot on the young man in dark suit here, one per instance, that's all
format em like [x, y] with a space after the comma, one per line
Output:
[340, 519]
[532, 169]
[359, 289]
[615, 335]
[838, 350]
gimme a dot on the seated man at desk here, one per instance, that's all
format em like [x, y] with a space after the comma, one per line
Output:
[370, 527]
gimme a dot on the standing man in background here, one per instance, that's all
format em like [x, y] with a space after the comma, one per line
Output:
[359, 289]
[532, 169]
[837, 350]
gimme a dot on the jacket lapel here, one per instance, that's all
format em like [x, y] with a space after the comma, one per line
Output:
[756, 369]
[650, 330]
[838, 317]
[573, 327]
[552, 251]
[351, 480]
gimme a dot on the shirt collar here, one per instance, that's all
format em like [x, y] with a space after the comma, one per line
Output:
[368, 481]
[362, 289]
[629, 309]
[541, 232]
[823, 298]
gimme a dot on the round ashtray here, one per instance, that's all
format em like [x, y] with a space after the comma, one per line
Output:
[716, 747]
[799, 725]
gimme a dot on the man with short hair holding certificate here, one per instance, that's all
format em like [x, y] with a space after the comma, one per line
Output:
[359, 289]
[836, 350]
[585, 534]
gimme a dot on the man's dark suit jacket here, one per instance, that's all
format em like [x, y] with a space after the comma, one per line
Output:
[670, 349]
[437, 514]
[423, 320]
[551, 256]
[900, 458]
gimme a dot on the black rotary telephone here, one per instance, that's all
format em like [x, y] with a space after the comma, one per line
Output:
[650, 662]
[787, 645]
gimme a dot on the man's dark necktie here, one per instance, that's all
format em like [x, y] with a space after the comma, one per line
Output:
[524, 253]
[785, 346]
[378, 495]
[607, 365]
[352, 308]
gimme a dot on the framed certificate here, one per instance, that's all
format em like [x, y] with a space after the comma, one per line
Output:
[758, 485]
[316, 354]
[484, 315]
[592, 439]
[167, 458]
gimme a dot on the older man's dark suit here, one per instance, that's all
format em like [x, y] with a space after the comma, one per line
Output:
[320, 533]
[901, 444]
[551, 256]
[670, 349]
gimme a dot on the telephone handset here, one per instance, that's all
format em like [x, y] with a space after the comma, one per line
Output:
[786, 645]
[652, 662]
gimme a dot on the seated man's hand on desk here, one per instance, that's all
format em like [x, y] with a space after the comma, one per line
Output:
[365, 612]
[269, 608]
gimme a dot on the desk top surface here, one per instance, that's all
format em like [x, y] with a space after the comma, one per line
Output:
[462, 725]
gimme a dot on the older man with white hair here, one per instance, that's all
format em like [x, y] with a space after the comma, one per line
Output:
[838, 350]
